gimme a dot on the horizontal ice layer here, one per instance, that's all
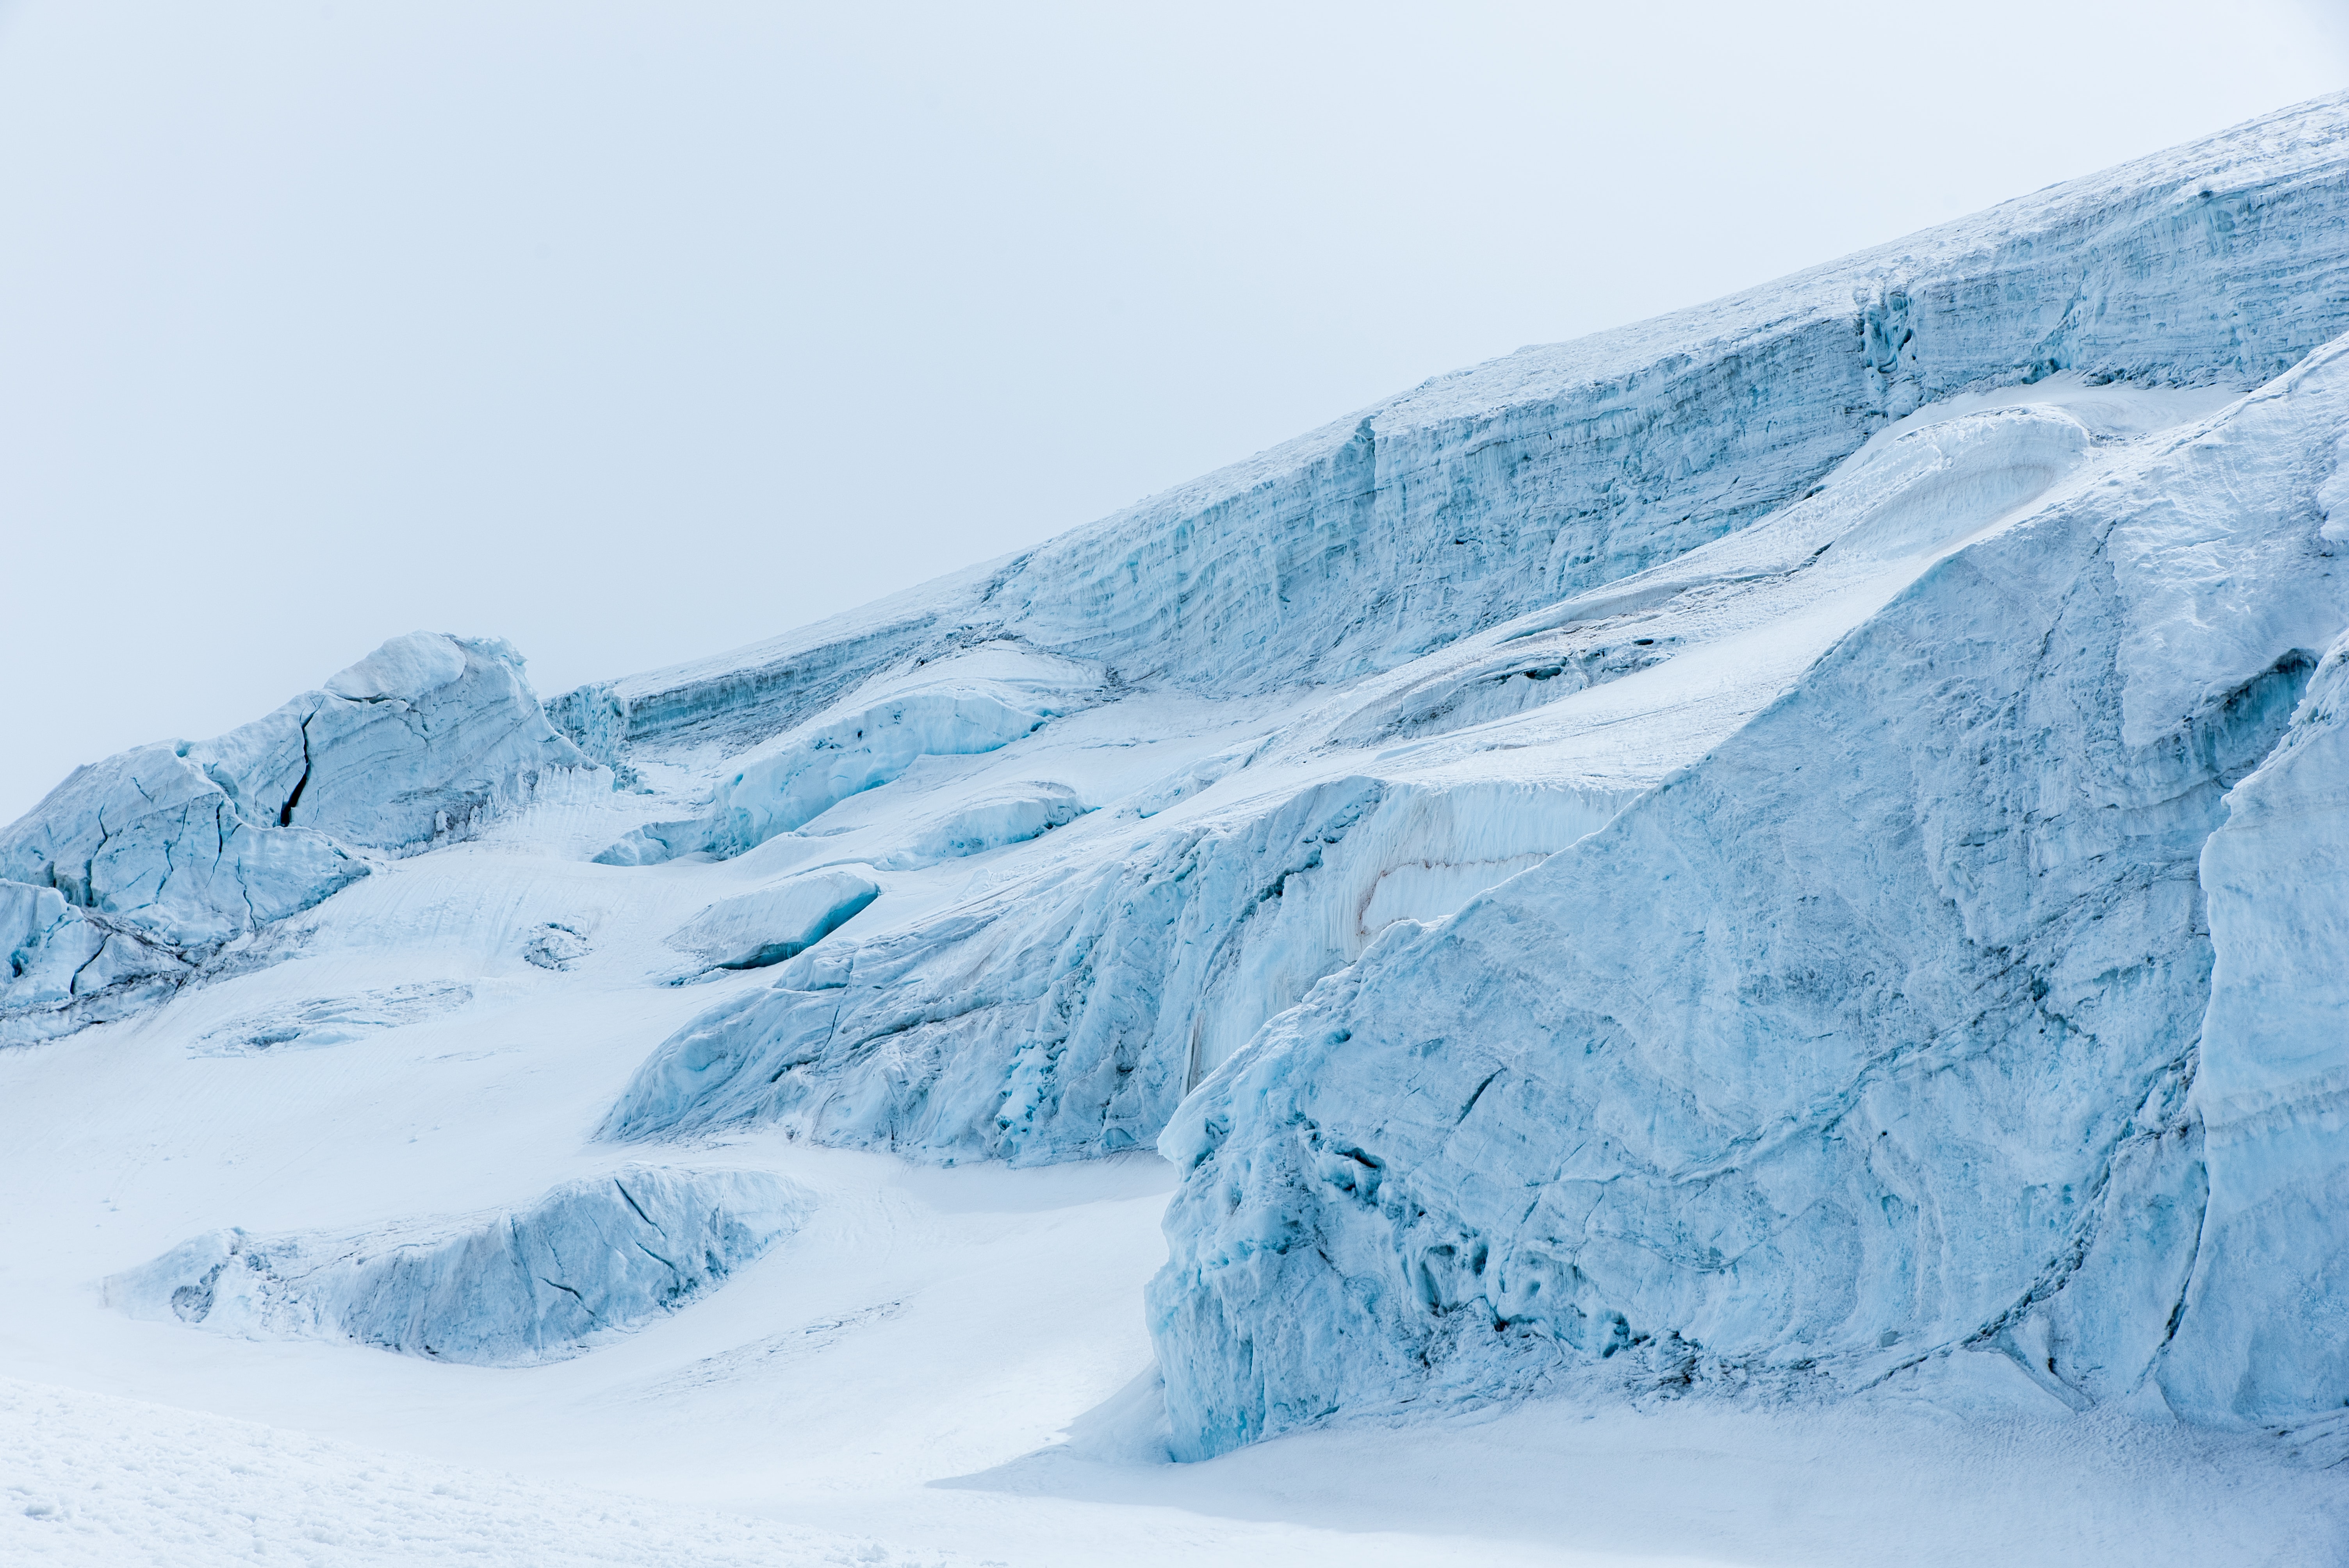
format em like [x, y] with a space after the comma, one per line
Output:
[1490, 491]
[1867, 1036]
[161, 856]
[592, 1258]
[754, 929]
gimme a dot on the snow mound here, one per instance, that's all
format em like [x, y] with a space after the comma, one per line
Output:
[756, 929]
[593, 1258]
[312, 1022]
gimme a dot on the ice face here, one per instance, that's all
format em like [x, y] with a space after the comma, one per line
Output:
[1782, 849]
[2258, 1339]
[1865, 1037]
[164, 855]
[1491, 492]
[405, 669]
[592, 1259]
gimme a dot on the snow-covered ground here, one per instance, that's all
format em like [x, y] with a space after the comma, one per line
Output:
[1708, 947]
[943, 1364]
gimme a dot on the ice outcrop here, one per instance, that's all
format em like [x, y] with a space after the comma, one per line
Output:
[591, 1259]
[1065, 1014]
[755, 929]
[1010, 815]
[1869, 1036]
[137, 870]
[966, 706]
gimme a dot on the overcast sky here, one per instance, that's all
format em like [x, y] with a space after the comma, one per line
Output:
[636, 332]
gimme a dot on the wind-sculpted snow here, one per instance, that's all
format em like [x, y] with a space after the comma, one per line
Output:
[314, 1022]
[591, 1259]
[137, 870]
[979, 702]
[1488, 492]
[1868, 1037]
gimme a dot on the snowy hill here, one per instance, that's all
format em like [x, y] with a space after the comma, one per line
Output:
[1768, 866]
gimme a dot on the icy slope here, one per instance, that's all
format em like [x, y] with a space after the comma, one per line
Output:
[1492, 490]
[1786, 851]
[1385, 744]
[1068, 1010]
[1867, 1038]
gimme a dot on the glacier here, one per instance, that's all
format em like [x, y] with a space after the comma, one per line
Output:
[1782, 859]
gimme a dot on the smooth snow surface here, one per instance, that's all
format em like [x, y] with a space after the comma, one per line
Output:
[1717, 945]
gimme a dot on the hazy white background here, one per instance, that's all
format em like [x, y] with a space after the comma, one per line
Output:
[632, 331]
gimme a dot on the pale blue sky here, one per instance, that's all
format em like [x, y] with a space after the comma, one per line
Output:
[635, 332]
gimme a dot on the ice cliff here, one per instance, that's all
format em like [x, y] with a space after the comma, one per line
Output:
[1877, 1032]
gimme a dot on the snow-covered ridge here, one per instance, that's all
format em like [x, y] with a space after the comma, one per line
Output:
[1483, 493]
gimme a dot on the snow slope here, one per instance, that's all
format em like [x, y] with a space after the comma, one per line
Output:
[1764, 883]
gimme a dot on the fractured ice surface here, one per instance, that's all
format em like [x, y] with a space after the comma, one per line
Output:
[137, 870]
[592, 1258]
[971, 704]
[1868, 1036]
[1788, 848]
[1499, 489]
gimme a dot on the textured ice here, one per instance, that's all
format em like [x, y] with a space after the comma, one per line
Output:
[755, 929]
[1868, 1037]
[138, 869]
[593, 1258]
[978, 702]
[1496, 489]
[1786, 851]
